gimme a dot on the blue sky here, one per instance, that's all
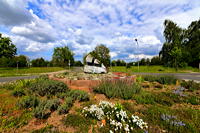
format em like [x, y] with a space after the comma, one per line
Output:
[36, 27]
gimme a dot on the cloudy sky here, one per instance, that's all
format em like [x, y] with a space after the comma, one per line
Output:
[37, 26]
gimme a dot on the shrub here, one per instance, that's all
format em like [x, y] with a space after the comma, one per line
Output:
[28, 102]
[79, 95]
[48, 87]
[64, 108]
[119, 89]
[190, 85]
[41, 111]
[18, 93]
[163, 79]
[52, 105]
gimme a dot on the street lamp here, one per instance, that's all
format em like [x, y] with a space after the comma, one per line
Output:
[138, 55]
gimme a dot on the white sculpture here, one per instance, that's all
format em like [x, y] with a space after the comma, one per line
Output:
[93, 65]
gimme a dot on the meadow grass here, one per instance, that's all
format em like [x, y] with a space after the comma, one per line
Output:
[153, 69]
[5, 72]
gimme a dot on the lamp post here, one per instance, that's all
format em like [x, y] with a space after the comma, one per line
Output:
[138, 55]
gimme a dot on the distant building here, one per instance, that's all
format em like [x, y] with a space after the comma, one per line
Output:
[93, 65]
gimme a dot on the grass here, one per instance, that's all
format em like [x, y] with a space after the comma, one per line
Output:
[80, 123]
[6, 72]
[153, 69]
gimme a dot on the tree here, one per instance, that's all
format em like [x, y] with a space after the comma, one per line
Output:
[39, 62]
[7, 48]
[21, 60]
[176, 56]
[101, 52]
[78, 63]
[182, 46]
[174, 37]
[192, 44]
[62, 56]
[156, 61]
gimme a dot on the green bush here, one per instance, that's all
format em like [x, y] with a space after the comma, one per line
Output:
[42, 111]
[162, 79]
[28, 102]
[48, 87]
[79, 95]
[119, 89]
[64, 108]
[190, 85]
[18, 93]
[52, 105]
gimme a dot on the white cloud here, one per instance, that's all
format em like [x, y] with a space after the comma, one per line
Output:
[140, 56]
[82, 25]
[113, 54]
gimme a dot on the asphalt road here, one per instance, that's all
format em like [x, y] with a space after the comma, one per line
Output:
[185, 76]
[8, 79]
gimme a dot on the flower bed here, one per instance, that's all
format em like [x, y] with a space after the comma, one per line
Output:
[115, 117]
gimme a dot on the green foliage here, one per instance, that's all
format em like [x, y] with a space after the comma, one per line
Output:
[77, 121]
[119, 63]
[52, 105]
[18, 93]
[119, 89]
[144, 98]
[28, 102]
[101, 52]
[62, 95]
[39, 62]
[190, 85]
[163, 79]
[48, 87]
[193, 100]
[7, 48]
[182, 45]
[42, 110]
[62, 56]
[65, 107]
[79, 95]
[16, 122]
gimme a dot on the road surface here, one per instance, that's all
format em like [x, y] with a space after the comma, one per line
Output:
[8, 79]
